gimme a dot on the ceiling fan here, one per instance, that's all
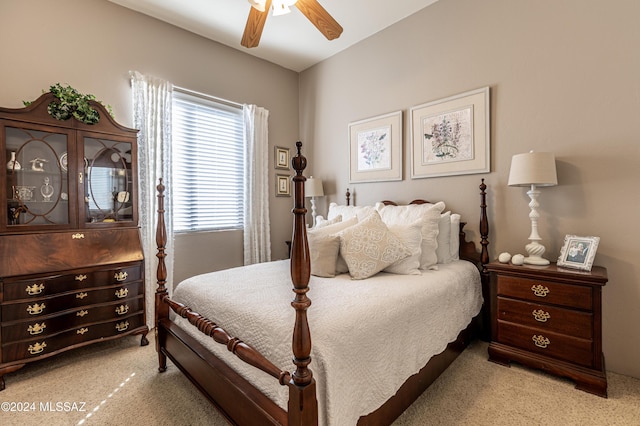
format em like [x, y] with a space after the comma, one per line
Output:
[314, 12]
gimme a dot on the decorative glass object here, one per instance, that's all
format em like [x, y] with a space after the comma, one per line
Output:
[46, 190]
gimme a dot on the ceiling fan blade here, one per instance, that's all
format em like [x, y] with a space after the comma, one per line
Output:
[254, 26]
[320, 18]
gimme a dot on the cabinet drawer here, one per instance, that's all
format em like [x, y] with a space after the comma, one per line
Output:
[52, 324]
[50, 305]
[544, 342]
[46, 345]
[47, 286]
[541, 291]
[546, 317]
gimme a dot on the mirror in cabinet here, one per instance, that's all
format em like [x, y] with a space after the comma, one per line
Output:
[37, 183]
[109, 188]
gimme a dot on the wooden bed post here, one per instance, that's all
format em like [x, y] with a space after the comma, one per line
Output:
[162, 309]
[303, 405]
[485, 332]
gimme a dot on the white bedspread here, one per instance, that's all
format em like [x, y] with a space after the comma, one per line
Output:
[368, 336]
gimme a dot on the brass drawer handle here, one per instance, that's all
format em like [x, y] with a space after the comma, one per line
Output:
[122, 326]
[540, 341]
[120, 293]
[82, 330]
[82, 313]
[36, 328]
[540, 315]
[77, 236]
[81, 278]
[122, 309]
[37, 348]
[34, 289]
[540, 290]
[120, 276]
[81, 295]
[35, 309]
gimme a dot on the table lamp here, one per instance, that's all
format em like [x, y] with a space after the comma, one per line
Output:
[534, 169]
[313, 189]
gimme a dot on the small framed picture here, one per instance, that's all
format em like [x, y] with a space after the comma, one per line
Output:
[282, 158]
[283, 186]
[578, 252]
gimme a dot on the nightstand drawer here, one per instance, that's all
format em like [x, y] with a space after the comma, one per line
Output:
[551, 318]
[543, 342]
[541, 291]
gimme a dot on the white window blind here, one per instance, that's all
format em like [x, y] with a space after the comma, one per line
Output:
[208, 164]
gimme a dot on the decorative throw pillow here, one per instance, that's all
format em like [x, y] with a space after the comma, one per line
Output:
[454, 244]
[340, 264]
[411, 237]
[443, 251]
[369, 247]
[347, 212]
[323, 253]
[430, 213]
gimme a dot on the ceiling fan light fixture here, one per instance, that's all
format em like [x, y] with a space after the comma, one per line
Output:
[281, 7]
[258, 4]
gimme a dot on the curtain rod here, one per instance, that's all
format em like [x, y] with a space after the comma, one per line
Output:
[207, 97]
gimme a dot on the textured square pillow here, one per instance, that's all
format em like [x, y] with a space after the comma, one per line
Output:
[443, 251]
[347, 212]
[411, 237]
[430, 213]
[322, 222]
[454, 244]
[323, 253]
[369, 247]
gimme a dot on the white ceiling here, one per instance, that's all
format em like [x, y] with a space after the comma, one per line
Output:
[290, 40]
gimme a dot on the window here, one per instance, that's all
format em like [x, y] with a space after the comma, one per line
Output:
[208, 164]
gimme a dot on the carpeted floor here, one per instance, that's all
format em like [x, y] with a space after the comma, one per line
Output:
[117, 383]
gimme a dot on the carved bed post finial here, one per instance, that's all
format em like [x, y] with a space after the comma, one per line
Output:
[348, 195]
[484, 225]
[303, 406]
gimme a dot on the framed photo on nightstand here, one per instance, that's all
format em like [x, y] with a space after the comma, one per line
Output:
[578, 252]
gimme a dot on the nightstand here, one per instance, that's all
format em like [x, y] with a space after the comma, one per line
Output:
[549, 318]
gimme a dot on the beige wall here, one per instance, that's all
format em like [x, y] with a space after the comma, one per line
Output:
[92, 45]
[564, 77]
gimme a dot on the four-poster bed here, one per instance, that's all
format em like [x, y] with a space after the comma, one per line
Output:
[195, 344]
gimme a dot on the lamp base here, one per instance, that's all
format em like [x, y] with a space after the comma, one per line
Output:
[535, 251]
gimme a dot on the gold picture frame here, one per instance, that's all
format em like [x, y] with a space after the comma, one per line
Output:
[283, 185]
[281, 158]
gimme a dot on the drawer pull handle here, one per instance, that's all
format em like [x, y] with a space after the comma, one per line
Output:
[82, 313]
[37, 348]
[120, 276]
[122, 309]
[35, 309]
[81, 278]
[541, 341]
[81, 295]
[77, 236]
[122, 326]
[82, 330]
[540, 290]
[122, 293]
[36, 328]
[34, 289]
[541, 316]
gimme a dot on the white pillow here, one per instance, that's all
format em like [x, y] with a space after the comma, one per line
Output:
[341, 265]
[443, 251]
[411, 237]
[430, 213]
[454, 244]
[369, 247]
[323, 253]
[347, 212]
[321, 222]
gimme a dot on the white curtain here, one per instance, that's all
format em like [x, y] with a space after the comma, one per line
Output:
[152, 98]
[257, 237]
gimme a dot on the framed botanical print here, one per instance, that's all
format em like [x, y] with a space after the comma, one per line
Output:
[281, 158]
[375, 148]
[283, 186]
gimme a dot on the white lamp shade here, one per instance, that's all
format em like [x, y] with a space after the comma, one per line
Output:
[313, 187]
[533, 168]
